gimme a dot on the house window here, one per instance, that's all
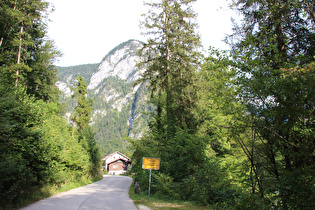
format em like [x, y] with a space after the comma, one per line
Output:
[114, 166]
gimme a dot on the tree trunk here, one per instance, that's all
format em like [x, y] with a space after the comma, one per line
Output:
[19, 55]
[1, 40]
[170, 123]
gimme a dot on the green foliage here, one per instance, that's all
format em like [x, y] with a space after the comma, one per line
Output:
[26, 56]
[41, 80]
[68, 74]
[234, 135]
[82, 110]
[171, 57]
[217, 102]
[183, 155]
[208, 185]
[86, 135]
[67, 159]
[87, 140]
[36, 145]
[17, 145]
[16, 177]
[193, 110]
[276, 76]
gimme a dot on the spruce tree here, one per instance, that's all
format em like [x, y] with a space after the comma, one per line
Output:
[83, 107]
[85, 133]
[26, 57]
[171, 57]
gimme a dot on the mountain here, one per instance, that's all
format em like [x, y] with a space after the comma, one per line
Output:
[118, 107]
[68, 74]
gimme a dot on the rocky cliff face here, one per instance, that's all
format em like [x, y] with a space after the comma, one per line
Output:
[117, 106]
[120, 63]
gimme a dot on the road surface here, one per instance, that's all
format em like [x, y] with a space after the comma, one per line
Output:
[109, 193]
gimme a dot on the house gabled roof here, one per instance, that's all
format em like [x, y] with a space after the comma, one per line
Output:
[108, 156]
[118, 160]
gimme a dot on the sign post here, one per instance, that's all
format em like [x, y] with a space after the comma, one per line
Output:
[150, 163]
[149, 182]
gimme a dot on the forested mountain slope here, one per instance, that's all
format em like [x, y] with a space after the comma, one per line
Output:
[117, 106]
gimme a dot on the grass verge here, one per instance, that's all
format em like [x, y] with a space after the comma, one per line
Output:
[156, 202]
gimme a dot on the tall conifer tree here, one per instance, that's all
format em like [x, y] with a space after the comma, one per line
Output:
[26, 57]
[83, 108]
[172, 58]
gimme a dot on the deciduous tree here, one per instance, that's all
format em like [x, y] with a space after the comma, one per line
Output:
[274, 50]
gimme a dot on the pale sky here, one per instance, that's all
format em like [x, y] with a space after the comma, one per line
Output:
[85, 31]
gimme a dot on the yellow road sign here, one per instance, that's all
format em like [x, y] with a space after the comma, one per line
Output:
[151, 163]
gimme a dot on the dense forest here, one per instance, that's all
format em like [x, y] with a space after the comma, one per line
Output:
[39, 149]
[232, 129]
[235, 129]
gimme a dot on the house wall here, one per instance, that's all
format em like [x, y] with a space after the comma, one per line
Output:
[117, 167]
[110, 163]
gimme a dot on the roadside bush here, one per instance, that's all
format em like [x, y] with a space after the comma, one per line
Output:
[163, 185]
[37, 148]
[16, 178]
[250, 201]
[207, 186]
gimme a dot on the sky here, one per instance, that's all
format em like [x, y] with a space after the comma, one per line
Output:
[85, 31]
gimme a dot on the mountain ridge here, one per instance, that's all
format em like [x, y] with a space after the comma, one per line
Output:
[120, 62]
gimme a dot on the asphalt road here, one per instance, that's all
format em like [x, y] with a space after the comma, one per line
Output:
[109, 193]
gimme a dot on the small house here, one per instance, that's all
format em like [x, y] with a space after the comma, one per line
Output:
[116, 163]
